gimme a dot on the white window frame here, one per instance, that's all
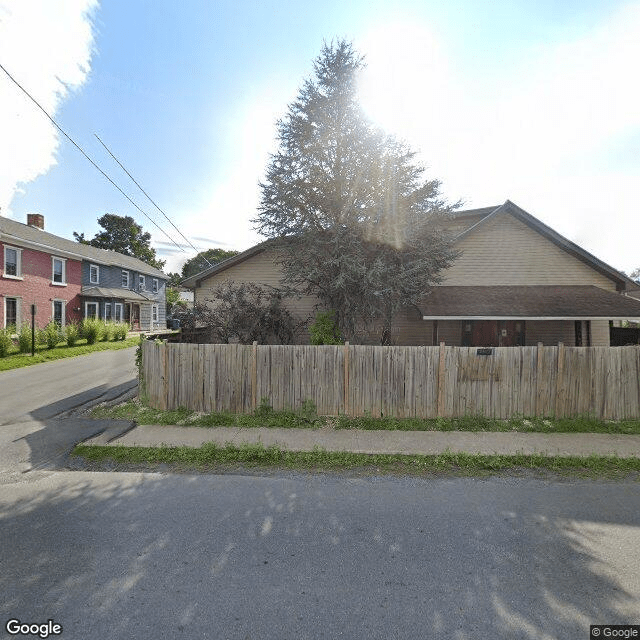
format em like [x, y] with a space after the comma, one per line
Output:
[118, 307]
[63, 262]
[142, 283]
[64, 311]
[86, 309]
[97, 268]
[154, 285]
[154, 313]
[125, 273]
[107, 304]
[18, 300]
[18, 251]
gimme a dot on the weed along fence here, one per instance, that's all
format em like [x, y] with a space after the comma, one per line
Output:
[423, 382]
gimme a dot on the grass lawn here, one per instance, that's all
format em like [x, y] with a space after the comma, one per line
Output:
[306, 418]
[43, 354]
[212, 457]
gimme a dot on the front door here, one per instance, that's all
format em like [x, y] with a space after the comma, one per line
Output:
[484, 333]
[493, 333]
[135, 317]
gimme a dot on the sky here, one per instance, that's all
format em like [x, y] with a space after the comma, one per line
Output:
[535, 102]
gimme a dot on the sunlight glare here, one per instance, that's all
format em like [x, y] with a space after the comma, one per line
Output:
[404, 88]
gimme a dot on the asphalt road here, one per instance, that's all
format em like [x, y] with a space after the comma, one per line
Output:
[130, 555]
[34, 399]
[45, 390]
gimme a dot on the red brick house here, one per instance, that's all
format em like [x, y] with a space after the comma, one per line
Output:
[36, 274]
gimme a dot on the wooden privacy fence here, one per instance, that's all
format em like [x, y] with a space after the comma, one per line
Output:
[423, 382]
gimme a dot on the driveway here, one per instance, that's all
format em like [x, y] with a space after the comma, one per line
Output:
[34, 399]
[48, 389]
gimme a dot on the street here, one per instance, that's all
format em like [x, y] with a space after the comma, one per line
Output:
[296, 555]
[132, 555]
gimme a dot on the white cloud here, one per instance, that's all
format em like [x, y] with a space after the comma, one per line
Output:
[47, 47]
[538, 132]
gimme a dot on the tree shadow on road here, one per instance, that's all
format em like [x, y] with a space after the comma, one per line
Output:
[150, 555]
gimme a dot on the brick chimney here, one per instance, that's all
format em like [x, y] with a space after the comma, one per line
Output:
[35, 220]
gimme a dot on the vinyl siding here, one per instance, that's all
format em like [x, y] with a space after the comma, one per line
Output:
[259, 269]
[600, 334]
[505, 251]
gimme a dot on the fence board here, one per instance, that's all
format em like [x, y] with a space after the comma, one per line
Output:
[396, 381]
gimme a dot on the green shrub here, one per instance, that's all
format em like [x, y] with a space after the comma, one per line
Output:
[5, 341]
[106, 331]
[91, 330]
[53, 335]
[24, 339]
[325, 330]
[71, 333]
[120, 331]
[41, 337]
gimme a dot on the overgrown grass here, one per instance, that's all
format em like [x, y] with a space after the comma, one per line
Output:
[265, 416]
[62, 350]
[213, 455]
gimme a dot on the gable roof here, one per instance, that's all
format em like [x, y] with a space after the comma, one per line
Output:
[194, 281]
[622, 281]
[13, 232]
[467, 221]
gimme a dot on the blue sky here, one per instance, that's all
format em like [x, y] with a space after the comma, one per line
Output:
[534, 102]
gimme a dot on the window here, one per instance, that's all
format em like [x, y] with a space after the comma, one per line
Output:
[58, 312]
[11, 313]
[125, 279]
[91, 310]
[154, 285]
[141, 284]
[117, 308]
[58, 270]
[154, 313]
[12, 262]
[94, 274]
[107, 311]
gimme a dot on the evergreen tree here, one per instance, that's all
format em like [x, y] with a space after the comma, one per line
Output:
[360, 227]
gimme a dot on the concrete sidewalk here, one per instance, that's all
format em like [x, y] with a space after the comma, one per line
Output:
[405, 442]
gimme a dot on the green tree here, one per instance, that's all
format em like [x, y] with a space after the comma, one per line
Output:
[359, 226]
[124, 235]
[199, 262]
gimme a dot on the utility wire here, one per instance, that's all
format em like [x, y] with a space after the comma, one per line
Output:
[148, 196]
[77, 146]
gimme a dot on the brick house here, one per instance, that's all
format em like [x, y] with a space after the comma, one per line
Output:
[516, 282]
[68, 281]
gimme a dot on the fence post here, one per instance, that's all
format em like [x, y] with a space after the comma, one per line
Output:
[441, 372]
[346, 378]
[560, 381]
[165, 376]
[254, 374]
[538, 376]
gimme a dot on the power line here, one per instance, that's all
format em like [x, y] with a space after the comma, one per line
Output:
[77, 146]
[148, 196]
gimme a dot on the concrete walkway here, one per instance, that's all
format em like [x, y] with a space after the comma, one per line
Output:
[406, 442]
